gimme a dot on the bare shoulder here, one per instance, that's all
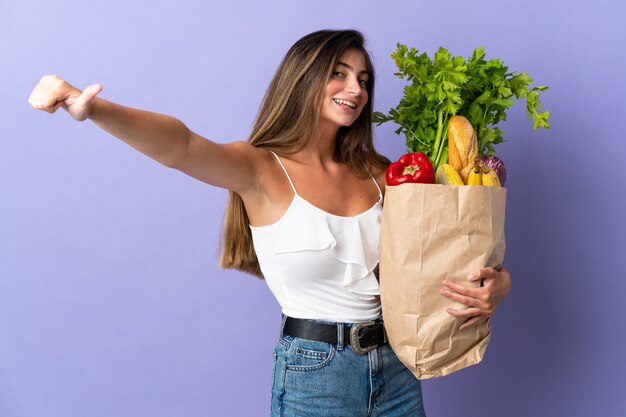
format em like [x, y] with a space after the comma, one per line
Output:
[249, 156]
[379, 174]
[260, 162]
[270, 195]
[244, 148]
[234, 165]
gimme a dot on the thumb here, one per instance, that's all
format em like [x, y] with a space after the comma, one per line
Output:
[79, 109]
[90, 93]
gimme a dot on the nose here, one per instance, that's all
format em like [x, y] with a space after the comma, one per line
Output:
[353, 86]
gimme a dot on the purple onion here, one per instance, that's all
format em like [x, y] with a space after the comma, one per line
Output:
[495, 163]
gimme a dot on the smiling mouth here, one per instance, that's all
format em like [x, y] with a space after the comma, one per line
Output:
[345, 103]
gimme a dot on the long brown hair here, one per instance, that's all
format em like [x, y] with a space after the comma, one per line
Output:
[287, 113]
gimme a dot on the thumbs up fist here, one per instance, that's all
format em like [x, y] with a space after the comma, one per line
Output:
[53, 92]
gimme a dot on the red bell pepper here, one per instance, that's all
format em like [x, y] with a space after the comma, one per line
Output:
[412, 167]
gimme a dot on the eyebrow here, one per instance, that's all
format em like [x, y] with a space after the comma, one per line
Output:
[343, 64]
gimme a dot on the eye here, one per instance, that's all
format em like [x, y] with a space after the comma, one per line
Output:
[338, 74]
[363, 83]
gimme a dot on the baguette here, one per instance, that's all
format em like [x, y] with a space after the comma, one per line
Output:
[462, 145]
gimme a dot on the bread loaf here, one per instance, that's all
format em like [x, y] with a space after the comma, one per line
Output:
[462, 145]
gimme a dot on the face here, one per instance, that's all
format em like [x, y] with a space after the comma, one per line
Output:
[346, 92]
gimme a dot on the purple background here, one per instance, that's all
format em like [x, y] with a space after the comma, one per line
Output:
[111, 303]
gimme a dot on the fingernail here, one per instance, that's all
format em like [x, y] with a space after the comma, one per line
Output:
[471, 277]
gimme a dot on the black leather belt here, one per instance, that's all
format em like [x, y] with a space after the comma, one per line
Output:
[363, 337]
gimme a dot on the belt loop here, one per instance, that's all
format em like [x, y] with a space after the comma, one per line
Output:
[340, 341]
[282, 326]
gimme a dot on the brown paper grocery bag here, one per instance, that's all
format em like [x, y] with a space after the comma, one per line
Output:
[430, 232]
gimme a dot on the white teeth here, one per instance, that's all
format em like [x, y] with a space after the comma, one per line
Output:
[345, 103]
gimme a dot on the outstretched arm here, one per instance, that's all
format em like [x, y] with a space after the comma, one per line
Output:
[161, 137]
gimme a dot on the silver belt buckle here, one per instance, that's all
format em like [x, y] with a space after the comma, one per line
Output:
[355, 339]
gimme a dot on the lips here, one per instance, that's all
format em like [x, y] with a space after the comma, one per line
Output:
[345, 103]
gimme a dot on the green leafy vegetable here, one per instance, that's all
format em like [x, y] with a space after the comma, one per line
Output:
[481, 90]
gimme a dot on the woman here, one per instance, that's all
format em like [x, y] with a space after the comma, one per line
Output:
[306, 195]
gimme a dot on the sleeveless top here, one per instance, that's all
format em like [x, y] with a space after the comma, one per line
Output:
[319, 265]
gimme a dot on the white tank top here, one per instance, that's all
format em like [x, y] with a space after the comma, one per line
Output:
[319, 265]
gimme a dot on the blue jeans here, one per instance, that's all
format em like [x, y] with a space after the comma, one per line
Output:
[318, 379]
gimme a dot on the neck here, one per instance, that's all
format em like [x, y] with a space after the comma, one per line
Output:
[323, 145]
